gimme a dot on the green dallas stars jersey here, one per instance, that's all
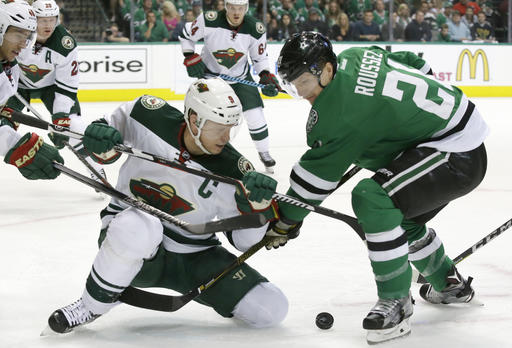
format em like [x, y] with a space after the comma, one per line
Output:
[226, 50]
[151, 125]
[378, 105]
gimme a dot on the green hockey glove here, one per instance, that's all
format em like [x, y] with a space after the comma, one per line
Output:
[33, 158]
[60, 119]
[99, 140]
[255, 196]
[195, 65]
[271, 83]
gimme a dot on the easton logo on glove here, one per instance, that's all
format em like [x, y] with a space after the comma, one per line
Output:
[24, 154]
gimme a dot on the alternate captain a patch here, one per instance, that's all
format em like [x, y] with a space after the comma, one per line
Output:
[152, 103]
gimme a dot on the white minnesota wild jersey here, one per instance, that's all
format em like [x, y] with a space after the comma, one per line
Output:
[9, 75]
[153, 126]
[227, 50]
[53, 63]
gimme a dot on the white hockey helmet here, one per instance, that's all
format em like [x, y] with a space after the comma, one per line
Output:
[45, 8]
[213, 100]
[16, 13]
[239, 2]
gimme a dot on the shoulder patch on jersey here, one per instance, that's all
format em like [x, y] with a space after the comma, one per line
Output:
[260, 27]
[244, 165]
[152, 103]
[211, 15]
[312, 120]
[67, 42]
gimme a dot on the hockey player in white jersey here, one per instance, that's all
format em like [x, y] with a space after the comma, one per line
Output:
[28, 153]
[140, 250]
[50, 72]
[231, 37]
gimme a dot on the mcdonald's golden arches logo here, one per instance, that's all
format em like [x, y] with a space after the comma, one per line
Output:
[473, 60]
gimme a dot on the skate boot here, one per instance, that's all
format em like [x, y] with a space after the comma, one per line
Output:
[67, 318]
[388, 319]
[268, 161]
[458, 290]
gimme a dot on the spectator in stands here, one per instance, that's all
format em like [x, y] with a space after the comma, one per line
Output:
[112, 34]
[332, 12]
[444, 34]
[356, 8]
[469, 18]
[170, 16]
[429, 14]
[208, 5]
[380, 14]
[153, 30]
[342, 30]
[444, 12]
[286, 27]
[182, 6]
[197, 7]
[458, 30]
[139, 16]
[462, 5]
[273, 30]
[304, 11]
[315, 23]
[482, 30]
[219, 5]
[418, 29]
[403, 16]
[366, 29]
[288, 7]
[398, 31]
[64, 17]
[189, 17]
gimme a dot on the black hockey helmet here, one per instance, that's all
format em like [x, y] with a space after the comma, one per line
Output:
[305, 52]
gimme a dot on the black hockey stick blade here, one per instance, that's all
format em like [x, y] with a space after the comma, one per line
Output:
[420, 279]
[236, 222]
[167, 303]
[157, 302]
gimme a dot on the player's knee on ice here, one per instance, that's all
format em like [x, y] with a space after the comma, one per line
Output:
[135, 234]
[373, 207]
[265, 305]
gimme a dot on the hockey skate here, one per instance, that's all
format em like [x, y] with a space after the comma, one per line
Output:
[388, 319]
[64, 320]
[458, 290]
[268, 161]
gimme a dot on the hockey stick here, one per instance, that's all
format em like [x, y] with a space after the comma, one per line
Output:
[80, 157]
[236, 222]
[167, 303]
[243, 82]
[34, 122]
[420, 279]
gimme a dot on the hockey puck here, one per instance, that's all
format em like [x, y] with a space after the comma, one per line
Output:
[324, 320]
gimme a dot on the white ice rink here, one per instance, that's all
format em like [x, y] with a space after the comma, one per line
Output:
[48, 232]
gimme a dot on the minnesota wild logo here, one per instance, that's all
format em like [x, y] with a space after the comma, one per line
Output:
[228, 57]
[202, 87]
[33, 73]
[161, 196]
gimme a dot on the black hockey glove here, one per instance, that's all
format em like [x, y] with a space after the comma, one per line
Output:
[283, 230]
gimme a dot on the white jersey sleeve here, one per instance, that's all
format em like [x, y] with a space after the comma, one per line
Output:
[192, 32]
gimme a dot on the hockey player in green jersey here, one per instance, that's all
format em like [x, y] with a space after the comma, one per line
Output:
[49, 71]
[138, 249]
[28, 153]
[231, 37]
[423, 140]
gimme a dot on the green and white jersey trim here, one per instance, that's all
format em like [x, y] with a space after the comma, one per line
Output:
[310, 186]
